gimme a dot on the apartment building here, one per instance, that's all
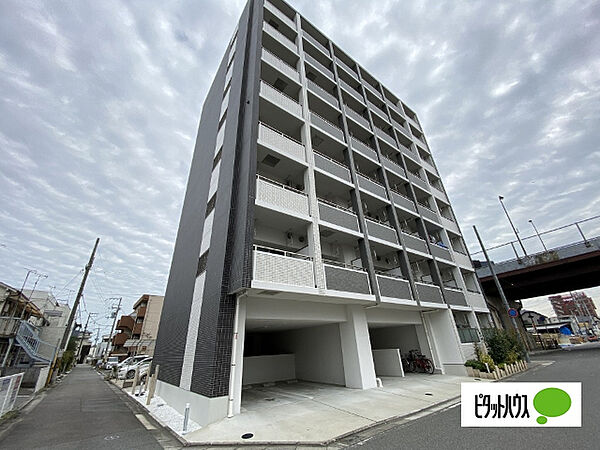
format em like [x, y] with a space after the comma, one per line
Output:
[316, 240]
[137, 331]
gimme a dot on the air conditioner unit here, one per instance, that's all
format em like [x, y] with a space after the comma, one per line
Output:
[289, 239]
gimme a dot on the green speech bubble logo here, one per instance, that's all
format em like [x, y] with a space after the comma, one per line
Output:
[551, 402]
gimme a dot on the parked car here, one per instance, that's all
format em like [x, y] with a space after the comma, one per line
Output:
[128, 371]
[131, 360]
[111, 362]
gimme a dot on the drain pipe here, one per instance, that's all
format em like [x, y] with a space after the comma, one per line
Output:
[232, 370]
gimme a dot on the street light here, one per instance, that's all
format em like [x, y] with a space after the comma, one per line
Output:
[512, 225]
[538, 234]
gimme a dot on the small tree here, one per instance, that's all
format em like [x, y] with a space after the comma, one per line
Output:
[68, 356]
[504, 346]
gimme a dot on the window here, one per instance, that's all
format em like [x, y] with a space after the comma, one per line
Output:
[202, 263]
[211, 205]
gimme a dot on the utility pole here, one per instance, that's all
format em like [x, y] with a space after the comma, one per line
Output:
[501, 292]
[112, 328]
[65, 339]
[512, 225]
[83, 336]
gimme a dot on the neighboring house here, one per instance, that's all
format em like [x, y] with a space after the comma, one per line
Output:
[56, 314]
[316, 233]
[147, 311]
[22, 348]
[124, 329]
[102, 346]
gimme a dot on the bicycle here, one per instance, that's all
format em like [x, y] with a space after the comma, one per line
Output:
[417, 361]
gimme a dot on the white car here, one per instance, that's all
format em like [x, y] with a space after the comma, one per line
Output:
[111, 362]
[128, 371]
[131, 361]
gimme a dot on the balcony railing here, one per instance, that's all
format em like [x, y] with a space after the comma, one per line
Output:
[281, 267]
[323, 93]
[416, 179]
[455, 296]
[381, 231]
[125, 323]
[428, 213]
[377, 110]
[462, 259]
[353, 92]
[120, 339]
[429, 293]
[394, 106]
[440, 252]
[357, 117]
[393, 286]
[346, 278]
[394, 167]
[386, 137]
[374, 91]
[280, 37]
[327, 126]
[347, 68]
[402, 200]
[275, 139]
[281, 16]
[401, 128]
[281, 197]
[414, 242]
[337, 215]
[331, 166]
[316, 43]
[280, 99]
[371, 186]
[281, 65]
[324, 70]
[364, 149]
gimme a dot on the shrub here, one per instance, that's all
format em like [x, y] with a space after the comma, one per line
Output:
[503, 346]
[475, 364]
[484, 358]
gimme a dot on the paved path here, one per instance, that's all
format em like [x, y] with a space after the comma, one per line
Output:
[82, 412]
[442, 430]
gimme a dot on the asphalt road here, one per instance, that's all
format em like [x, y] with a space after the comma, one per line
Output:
[442, 430]
[82, 412]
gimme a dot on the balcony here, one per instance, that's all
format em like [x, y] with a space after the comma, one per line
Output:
[364, 149]
[9, 326]
[455, 296]
[279, 197]
[357, 117]
[327, 126]
[316, 44]
[386, 137]
[416, 179]
[280, 65]
[137, 328]
[281, 267]
[415, 243]
[476, 300]
[373, 91]
[449, 223]
[353, 92]
[338, 216]
[318, 90]
[394, 167]
[394, 106]
[281, 143]
[394, 287]
[381, 231]
[462, 259]
[428, 213]
[378, 110]
[320, 67]
[331, 166]
[119, 339]
[403, 201]
[280, 37]
[440, 252]
[371, 186]
[281, 16]
[346, 278]
[401, 128]
[347, 68]
[280, 99]
[429, 293]
[141, 311]
[125, 323]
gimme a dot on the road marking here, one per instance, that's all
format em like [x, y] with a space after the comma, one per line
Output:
[145, 422]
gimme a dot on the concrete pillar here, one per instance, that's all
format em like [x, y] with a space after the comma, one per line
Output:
[446, 341]
[237, 368]
[359, 370]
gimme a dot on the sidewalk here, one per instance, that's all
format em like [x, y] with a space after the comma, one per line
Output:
[81, 412]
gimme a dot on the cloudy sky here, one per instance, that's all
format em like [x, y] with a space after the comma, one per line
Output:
[100, 102]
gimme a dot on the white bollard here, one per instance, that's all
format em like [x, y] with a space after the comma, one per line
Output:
[186, 417]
